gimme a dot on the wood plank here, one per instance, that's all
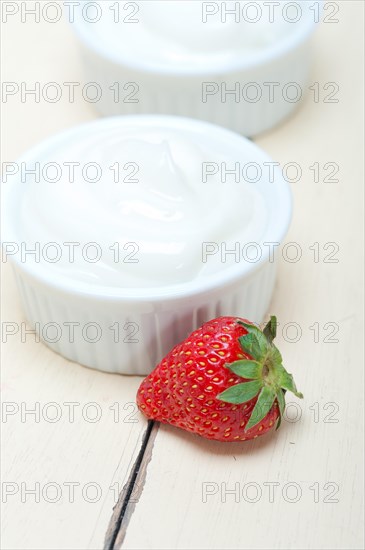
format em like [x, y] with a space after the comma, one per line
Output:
[101, 453]
[85, 431]
[321, 455]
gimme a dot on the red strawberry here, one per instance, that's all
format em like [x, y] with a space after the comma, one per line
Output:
[226, 381]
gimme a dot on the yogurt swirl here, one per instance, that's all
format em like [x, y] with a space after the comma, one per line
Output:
[188, 32]
[158, 218]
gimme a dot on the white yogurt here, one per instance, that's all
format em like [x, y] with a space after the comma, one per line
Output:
[187, 33]
[160, 221]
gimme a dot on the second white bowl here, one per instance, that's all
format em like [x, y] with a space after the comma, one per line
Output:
[247, 71]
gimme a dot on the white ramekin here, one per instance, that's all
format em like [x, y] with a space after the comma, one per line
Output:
[279, 73]
[163, 316]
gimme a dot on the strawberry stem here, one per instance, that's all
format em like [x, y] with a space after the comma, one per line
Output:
[268, 378]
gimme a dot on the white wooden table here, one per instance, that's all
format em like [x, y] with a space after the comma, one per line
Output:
[66, 465]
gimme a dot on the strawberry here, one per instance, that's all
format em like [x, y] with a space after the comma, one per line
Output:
[226, 382]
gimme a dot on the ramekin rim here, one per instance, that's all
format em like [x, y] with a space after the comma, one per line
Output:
[221, 279]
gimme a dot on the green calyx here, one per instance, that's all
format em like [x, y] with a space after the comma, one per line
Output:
[267, 377]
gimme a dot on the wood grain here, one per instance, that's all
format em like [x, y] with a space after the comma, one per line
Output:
[185, 500]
